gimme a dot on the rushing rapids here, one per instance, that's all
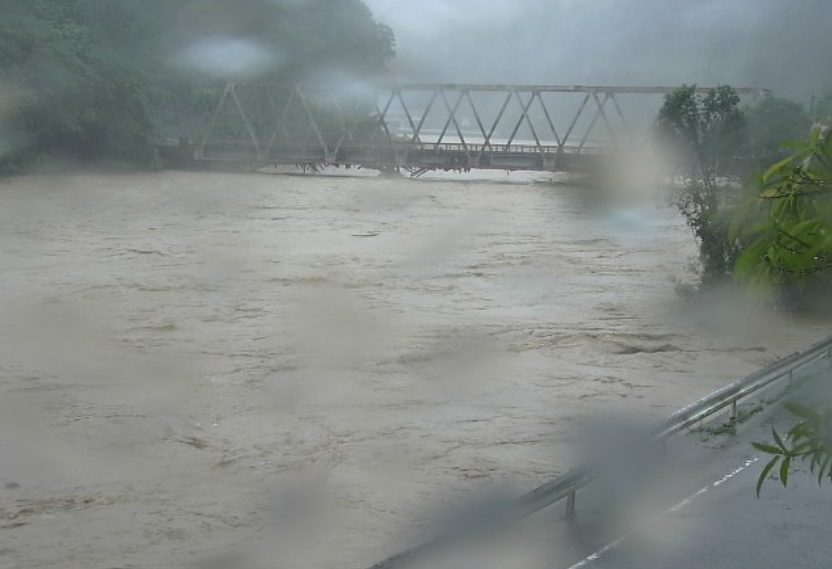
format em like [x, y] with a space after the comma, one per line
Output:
[195, 355]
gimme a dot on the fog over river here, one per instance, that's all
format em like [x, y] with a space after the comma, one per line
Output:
[198, 364]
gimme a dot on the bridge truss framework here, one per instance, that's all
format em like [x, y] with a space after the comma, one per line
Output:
[336, 128]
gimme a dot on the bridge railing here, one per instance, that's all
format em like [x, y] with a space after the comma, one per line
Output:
[567, 486]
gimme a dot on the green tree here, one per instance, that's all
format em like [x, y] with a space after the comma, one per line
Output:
[772, 123]
[705, 131]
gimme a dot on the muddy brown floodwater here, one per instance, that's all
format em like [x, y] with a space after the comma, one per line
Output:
[199, 366]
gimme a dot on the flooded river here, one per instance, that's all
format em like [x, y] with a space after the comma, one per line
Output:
[197, 364]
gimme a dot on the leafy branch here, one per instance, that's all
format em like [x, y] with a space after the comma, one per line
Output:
[808, 441]
[786, 230]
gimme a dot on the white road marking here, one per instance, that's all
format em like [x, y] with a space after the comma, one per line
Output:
[687, 501]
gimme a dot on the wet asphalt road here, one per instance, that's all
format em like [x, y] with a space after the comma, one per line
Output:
[717, 521]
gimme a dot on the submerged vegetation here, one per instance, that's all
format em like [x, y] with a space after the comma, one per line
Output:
[757, 198]
[105, 79]
[705, 132]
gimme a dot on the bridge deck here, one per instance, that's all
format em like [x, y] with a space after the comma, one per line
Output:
[413, 156]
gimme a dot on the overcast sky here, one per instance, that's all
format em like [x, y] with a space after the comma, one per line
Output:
[781, 44]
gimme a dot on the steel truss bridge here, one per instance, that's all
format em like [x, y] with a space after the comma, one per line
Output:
[422, 127]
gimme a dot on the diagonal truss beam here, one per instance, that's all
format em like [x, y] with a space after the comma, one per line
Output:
[214, 118]
[607, 123]
[477, 117]
[252, 135]
[424, 116]
[347, 129]
[624, 122]
[499, 117]
[548, 118]
[409, 117]
[452, 117]
[598, 113]
[524, 116]
[280, 124]
[313, 124]
[382, 114]
[573, 123]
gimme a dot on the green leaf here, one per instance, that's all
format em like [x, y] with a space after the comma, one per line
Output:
[768, 449]
[776, 168]
[823, 467]
[784, 470]
[779, 441]
[764, 474]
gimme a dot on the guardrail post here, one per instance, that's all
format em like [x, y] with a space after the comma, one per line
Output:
[570, 505]
[733, 412]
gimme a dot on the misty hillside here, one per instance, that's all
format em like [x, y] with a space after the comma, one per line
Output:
[103, 79]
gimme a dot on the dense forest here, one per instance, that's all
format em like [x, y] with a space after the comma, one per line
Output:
[104, 79]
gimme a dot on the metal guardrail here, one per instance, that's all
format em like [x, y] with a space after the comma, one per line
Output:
[567, 486]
